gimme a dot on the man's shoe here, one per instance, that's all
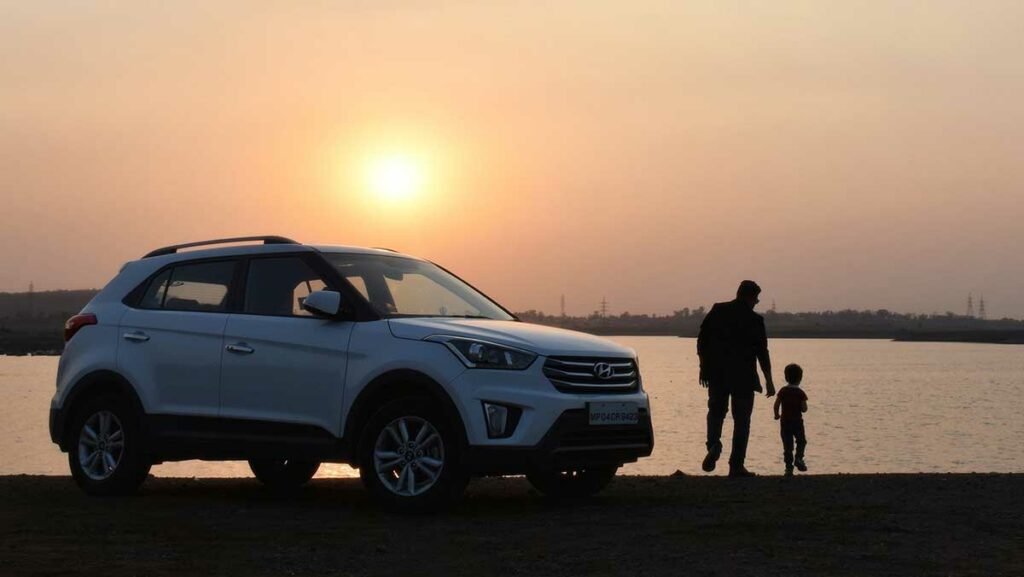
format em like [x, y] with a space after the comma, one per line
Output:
[789, 471]
[740, 471]
[800, 465]
[709, 461]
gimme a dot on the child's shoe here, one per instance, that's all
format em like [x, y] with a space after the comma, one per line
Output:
[800, 465]
[789, 471]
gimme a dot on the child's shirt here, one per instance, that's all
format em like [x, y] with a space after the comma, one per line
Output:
[791, 400]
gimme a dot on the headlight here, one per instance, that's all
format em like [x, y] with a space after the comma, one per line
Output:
[477, 354]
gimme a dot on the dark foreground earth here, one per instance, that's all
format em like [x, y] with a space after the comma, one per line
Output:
[814, 525]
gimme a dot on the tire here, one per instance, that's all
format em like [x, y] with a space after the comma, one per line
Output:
[410, 457]
[573, 484]
[284, 474]
[106, 452]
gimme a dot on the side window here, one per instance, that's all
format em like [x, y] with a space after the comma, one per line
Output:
[190, 287]
[277, 286]
[154, 297]
[199, 287]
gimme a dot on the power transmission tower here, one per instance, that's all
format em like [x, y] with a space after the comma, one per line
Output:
[563, 305]
[981, 308]
[970, 305]
[773, 305]
[604, 307]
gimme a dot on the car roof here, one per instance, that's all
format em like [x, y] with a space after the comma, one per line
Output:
[172, 255]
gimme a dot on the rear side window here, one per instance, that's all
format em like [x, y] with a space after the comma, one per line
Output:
[154, 297]
[191, 287]
[277, 286]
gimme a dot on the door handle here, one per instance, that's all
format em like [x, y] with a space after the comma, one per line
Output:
[137, 336]
[240, 348]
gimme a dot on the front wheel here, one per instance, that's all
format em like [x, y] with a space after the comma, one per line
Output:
[575, 483]
[409, 457]
[284, 473]
[106, 453]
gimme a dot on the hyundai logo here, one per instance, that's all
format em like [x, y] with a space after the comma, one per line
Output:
[603, 371]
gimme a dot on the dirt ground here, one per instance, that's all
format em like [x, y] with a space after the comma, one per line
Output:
[814, 525]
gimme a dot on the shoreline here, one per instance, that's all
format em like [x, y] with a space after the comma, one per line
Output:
[910, 524]
[965, 337]
[953, 338]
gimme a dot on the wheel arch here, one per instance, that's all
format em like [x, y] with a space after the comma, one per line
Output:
[90, 386]
[390, 386]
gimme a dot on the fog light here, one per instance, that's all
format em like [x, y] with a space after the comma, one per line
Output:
[497, 419]
[501, 420]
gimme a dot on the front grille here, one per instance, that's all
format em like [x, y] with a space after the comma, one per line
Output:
[584, 374]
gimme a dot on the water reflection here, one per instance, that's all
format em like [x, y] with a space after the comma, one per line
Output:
[878, 406]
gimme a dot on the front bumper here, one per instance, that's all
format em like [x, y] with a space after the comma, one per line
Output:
[571, 442]
[553, 430]
[529, 390]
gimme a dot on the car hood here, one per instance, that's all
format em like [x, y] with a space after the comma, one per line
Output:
[536, 338]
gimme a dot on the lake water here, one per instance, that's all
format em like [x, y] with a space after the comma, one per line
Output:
[875, 407]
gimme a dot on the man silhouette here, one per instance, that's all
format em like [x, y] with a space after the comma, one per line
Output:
[732, 341]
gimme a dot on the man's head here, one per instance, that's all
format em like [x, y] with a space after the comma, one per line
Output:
[749, 293]
[794, 374]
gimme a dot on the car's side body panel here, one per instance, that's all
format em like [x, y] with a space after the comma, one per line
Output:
[295, 372]
[94, 348]
[373, 352]
[176, 369]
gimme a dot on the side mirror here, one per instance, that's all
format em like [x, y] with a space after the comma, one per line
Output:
[323, 303]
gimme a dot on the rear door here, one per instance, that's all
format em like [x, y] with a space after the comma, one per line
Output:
[281, 364]
[173, 338]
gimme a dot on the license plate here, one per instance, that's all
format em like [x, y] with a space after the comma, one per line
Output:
[613, 413]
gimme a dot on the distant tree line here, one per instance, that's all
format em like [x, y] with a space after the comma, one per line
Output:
[32, 322]
[840, 324]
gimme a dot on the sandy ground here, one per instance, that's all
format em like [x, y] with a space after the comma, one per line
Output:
[814, 525]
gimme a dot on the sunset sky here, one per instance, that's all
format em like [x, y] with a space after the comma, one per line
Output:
[844, 154]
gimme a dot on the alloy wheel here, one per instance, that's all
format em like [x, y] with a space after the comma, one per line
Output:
[101, 445]
[409, 456]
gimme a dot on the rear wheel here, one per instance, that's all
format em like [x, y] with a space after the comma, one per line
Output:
[284, 473]
[105, 452]
[574, 483]
[410, 455]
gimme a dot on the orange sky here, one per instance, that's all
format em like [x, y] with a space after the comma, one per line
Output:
[860, 155]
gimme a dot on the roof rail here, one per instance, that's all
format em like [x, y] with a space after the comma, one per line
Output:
[383, 248]
[176, 247]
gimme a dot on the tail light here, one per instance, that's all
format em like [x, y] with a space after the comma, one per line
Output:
[77, 322]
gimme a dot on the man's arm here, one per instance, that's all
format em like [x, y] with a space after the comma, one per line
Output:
[766, 367]
[706, 328]
[764, 359]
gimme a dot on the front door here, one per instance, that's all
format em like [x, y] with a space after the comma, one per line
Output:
[280, 363]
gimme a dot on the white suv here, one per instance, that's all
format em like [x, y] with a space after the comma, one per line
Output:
[288, 355]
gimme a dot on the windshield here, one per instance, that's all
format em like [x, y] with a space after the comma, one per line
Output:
[398, 286]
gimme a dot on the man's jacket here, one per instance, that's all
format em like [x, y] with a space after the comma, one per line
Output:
[731, 339]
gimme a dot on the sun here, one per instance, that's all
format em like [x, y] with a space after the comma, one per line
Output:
[395, 178]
